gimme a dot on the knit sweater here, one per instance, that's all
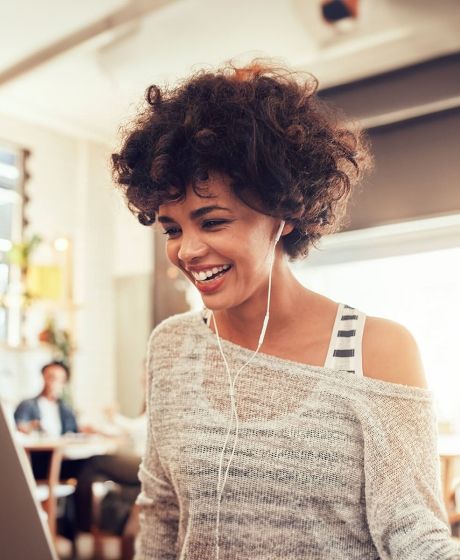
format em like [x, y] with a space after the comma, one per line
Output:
[328, 465]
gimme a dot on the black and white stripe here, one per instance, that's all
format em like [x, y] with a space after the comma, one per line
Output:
[345, 346]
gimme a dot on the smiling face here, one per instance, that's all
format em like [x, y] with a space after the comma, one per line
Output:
[222, 245]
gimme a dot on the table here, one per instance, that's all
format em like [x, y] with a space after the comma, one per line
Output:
[449, 453]
[75, 446]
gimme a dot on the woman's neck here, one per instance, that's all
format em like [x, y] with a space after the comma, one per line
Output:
[243, 324]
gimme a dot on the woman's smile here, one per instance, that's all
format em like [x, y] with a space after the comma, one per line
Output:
[208, 272]
[212, 283]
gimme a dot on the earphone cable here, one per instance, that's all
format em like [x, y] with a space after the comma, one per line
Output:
[234, 411]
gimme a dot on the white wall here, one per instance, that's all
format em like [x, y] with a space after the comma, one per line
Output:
[133, 274]
[94, 381]
[71, 195]
[133, 242]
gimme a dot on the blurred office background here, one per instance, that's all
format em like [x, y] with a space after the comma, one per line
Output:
[94, 283]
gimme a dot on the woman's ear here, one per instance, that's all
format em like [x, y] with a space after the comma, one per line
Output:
[288, 228]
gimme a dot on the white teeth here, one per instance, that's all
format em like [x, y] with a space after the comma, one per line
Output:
[203, 274]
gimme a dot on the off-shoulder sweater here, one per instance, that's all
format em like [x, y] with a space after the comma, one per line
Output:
[328, 464]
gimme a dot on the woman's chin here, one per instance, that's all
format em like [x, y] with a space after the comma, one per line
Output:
[213, 304]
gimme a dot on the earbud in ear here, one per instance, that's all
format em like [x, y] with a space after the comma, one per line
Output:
[280, 231]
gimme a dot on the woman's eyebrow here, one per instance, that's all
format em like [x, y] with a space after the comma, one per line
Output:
[195, 214]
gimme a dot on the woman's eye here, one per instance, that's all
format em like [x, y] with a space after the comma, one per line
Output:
[213, 223]
[171, 232]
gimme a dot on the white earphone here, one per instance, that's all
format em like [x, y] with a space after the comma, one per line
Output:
[232, 386]
[267, 314]
[280, 231]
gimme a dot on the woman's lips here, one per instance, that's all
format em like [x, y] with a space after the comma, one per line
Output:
[210, 286]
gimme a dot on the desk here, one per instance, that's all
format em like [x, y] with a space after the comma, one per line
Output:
[76, 446]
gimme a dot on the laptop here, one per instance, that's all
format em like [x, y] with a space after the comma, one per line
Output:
[24, 533]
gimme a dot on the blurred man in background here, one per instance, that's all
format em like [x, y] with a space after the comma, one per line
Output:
[47, 413]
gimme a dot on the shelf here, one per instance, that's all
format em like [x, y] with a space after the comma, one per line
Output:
[70, 305]
[24, 347]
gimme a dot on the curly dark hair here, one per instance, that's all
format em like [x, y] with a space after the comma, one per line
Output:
[287, 153]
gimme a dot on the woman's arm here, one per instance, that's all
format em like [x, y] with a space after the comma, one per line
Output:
[390, 353]
[404, 503]
[159, 511]
[158, 503]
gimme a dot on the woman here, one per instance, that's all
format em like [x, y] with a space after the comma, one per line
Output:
[282, 424]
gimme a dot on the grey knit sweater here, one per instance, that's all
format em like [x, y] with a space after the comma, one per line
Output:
[328, 465]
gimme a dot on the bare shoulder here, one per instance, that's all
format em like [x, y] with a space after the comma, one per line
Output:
[390, 353]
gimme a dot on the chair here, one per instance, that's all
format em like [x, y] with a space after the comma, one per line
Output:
[453, 507]
[129, 534]
[101, 490]
[50, 489]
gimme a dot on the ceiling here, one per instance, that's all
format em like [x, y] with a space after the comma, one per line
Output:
[82, 67]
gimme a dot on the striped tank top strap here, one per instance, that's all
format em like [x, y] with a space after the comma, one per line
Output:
[345, 347]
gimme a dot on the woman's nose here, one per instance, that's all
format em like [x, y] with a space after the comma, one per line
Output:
[190, 248]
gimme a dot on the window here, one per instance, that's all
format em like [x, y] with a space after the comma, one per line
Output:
[419, 288]
[11, 218]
